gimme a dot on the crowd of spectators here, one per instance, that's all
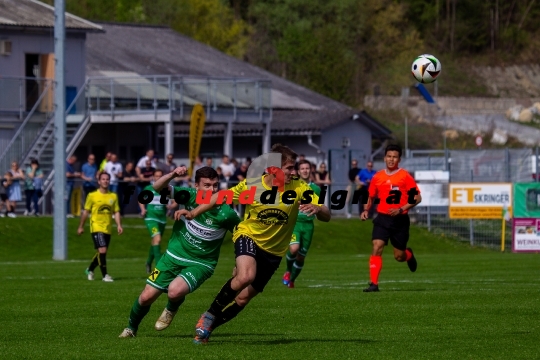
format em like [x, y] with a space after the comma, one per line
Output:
[138, 174]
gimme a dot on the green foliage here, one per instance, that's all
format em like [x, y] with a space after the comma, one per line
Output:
[209, 21]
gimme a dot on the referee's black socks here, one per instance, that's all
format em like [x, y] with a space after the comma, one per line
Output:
[103, 263]
[95, 262]
[225, 297]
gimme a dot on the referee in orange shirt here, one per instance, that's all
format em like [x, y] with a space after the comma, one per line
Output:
[398, 193]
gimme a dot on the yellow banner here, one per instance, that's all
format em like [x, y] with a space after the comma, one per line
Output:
[196, 128]
[475, 212]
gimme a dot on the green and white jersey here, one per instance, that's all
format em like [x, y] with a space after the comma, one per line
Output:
[302, 217]
[155, 210]
[198, 241]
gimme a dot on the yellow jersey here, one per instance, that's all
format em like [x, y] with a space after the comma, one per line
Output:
[101, 207]
[271, 225]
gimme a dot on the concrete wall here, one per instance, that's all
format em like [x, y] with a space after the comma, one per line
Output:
[43, 43]
[450, 105]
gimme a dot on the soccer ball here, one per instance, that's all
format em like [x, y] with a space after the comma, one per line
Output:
[426, 68]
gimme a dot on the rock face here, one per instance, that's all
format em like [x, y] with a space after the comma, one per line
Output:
[512, 81]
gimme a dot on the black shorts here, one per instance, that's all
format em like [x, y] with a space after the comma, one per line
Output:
[267, 263]
[101, 239]
[393, 228]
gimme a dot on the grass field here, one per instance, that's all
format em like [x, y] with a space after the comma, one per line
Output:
[462, 303]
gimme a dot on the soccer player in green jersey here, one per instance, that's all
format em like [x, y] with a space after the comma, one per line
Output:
[155, 217]
[192, 253]
[302, 233]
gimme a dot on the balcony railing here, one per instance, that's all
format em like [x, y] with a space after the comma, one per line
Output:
[176, 94]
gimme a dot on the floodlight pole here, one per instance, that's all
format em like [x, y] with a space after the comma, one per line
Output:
[59, 215]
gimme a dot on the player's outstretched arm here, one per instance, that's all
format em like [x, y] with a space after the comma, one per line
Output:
[84, 216]
[163, 181]
[190, 215]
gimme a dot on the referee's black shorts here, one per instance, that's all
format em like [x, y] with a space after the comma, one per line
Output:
[267, 263]
[393, 228]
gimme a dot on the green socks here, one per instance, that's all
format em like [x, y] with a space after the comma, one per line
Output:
[296, 269]
[138, 312]
[173, 306]
[157, 253]
[290, 260]
[154, 253]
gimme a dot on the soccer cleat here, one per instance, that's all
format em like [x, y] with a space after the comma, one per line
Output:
[90, 274]
[148, 268]
[127, 333]
[165, 320]
[25, 213]
[372, 288]
[286, 278]
[107, 278]
[2, 215]
[11, 215]
[412, 261]
[203, 329]
[290, 285]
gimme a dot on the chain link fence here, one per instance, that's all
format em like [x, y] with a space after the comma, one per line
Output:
[465, 166]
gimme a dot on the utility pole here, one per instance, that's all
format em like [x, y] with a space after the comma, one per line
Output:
[60, 223]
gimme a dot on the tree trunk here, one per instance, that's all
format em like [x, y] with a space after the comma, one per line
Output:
[525, 14]
[453, 29]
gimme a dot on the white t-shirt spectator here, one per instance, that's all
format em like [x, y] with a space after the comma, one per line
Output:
[142, 162]
[113, 169]
[227, 169]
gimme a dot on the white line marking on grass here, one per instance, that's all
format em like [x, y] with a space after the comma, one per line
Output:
[61, 261]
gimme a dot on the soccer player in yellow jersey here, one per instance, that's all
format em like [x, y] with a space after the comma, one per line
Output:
[262, 239]
[101, 204]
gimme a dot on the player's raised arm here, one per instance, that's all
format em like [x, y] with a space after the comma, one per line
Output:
[163, 181]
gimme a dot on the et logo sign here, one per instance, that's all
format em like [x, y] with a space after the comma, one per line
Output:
[477, 200]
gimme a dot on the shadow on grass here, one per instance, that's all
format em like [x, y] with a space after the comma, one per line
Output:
[251, 339]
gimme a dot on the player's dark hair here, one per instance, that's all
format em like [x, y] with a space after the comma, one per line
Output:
[158, 170]
[393, 147]
[301, 162]
[104, 173]
[287, 155]
[206, 172]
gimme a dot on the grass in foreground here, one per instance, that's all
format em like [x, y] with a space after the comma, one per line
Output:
[461, 303]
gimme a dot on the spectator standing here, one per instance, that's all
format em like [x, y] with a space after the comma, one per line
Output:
[145, 175]
[33, 174]
[322, 177]
[196, 166]
[363, 179]
[149, 156]
[209, 162]
[4, 184]
[227, 168]
[71, 175]
[105, 161]
[313, 172]
[171, 165]
[240, 174]
[352, 186]
[88, 174]
[129, 178]
[14, 190]
[114, 169]
[159, 165]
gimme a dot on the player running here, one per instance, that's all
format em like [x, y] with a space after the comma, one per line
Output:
[302, 233]
[192, 253]
[101, 203]
[398, 193]
[155, 217]
[262, 238]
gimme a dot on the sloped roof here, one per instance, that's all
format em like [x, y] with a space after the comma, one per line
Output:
[157, 50]
[35, 14]
[153, 50]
